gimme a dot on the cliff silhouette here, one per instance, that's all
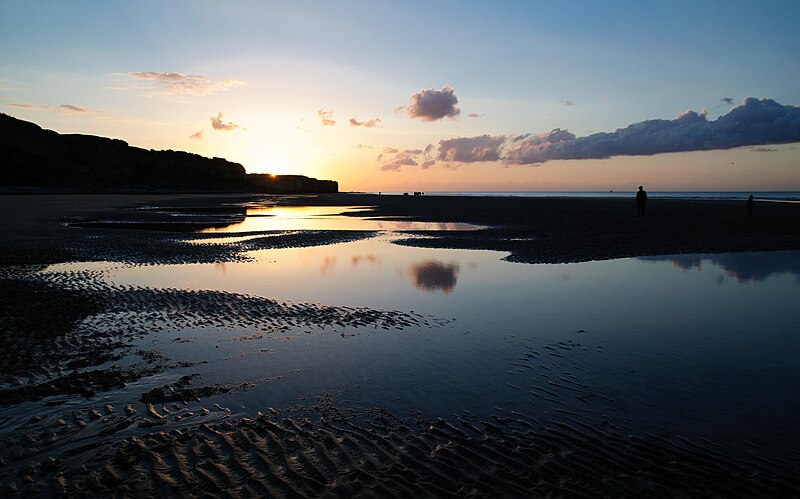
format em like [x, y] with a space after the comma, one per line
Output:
[32, 158]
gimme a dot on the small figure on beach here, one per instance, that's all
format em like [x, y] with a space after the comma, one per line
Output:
[751, 203]
[641, 201]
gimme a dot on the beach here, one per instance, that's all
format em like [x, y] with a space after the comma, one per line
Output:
[151, 347]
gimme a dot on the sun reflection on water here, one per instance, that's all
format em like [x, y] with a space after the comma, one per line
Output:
[268, 218]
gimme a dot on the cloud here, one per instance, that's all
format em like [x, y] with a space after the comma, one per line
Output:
[218, 124]
[179, 84]
[367, 124]
[362, 146]
[62, 108]
[69, 108]
[470, 149]
[197, 135]
[431, 104]
[325, 116]
[30, 106]
[394, 160]
[727, 100]
[474, 115]
[753, 122]
[565, 102]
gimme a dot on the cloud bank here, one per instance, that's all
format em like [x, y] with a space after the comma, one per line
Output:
[177, 84]
[431, 104]
[754, 122]
[218, 124]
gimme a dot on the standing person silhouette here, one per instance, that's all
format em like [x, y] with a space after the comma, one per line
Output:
[750, 205]
[641, 201]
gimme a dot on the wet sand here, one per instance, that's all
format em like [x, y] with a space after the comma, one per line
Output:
[554, 230]
[68, 335]
[535, 230]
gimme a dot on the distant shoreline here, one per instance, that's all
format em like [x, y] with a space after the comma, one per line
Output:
[788, 196]
[531, 229]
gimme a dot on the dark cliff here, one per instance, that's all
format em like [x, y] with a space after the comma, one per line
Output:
[31, 157]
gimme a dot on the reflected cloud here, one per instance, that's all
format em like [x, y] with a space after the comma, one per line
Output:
[328, 265]
[741, 266]
[371, 259]
[432, 275]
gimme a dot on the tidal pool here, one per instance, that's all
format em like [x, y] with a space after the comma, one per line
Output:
[703, 346]
[266, 218]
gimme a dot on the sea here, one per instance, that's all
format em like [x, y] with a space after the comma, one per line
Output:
[780, 196]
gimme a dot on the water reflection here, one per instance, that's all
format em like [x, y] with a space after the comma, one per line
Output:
[368, 259]
[741, 266]
[325, 218]
[328, 265]
[432, 275]
[725, 365]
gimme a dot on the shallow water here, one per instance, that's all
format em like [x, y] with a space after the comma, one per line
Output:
[266, 218]
[703, 346]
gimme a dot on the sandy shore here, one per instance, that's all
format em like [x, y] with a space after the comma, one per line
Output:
[71, 335]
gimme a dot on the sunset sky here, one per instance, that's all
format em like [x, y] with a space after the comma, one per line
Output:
[431, 96]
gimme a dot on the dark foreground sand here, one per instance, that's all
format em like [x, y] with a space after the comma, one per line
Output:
[61, 334]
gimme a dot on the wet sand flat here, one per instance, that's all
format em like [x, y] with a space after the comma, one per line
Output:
[553, 229]
[532, 229]
[115, 389]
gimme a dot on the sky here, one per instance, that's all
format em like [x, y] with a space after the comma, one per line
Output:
[427, 96]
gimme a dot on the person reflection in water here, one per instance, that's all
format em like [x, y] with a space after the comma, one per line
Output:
[751, 203]
[641, 201]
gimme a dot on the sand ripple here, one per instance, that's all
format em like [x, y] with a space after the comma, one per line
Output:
[502, 456]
